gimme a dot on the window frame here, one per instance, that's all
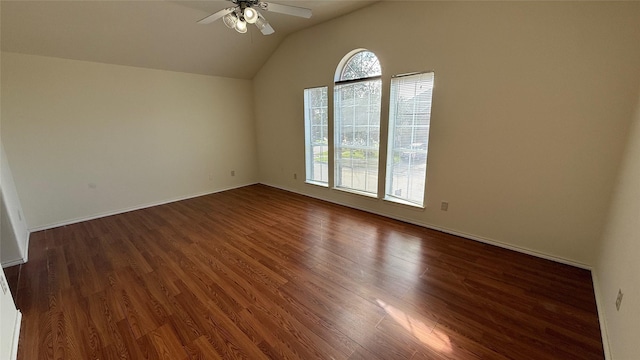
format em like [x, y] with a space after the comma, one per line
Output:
[340, 83]
[391, 138]
[310, 161]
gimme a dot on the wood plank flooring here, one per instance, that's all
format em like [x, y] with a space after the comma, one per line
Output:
[260, 273]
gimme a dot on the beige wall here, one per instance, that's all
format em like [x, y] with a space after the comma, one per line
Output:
[531, 105]
[86, 139]
[618, 265]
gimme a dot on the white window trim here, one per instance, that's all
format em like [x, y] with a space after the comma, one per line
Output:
[389, 154]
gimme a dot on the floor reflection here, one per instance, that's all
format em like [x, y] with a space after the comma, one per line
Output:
[425, 333]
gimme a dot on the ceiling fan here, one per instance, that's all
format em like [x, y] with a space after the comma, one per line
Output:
[246, 12]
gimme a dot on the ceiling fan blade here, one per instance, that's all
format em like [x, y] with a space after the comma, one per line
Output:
[286, 9]
[215, 16]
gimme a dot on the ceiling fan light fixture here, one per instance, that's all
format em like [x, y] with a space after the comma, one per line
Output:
[246, 12]
[241, 26]
[263, 25]
[261, 22]
[250, 15]
[230, 20]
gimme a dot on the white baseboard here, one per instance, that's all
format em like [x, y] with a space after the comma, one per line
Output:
[133, 208]
[601, 318]
[16, 336]
[11, 263]
[503, 245]
[452, 232]
[23, 260]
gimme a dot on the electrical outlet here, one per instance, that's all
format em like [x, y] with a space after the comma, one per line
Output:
[233, 173]
[295, 176]
[444, 206]
[619, 299]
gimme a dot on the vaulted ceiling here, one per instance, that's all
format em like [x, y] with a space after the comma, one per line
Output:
[153, 34]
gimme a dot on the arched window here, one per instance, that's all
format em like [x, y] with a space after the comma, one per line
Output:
[363, 64]
[357, 96]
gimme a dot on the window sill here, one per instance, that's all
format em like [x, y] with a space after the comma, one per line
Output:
[357, 192]
[317, 183]
[403, 202]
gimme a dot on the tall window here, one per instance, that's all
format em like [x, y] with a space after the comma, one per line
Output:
[316, 135]
[357, 94]
[409, 121]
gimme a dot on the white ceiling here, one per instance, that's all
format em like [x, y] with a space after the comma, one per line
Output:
[153, 34]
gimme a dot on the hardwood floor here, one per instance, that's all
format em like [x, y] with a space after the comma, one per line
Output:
[259, 273]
